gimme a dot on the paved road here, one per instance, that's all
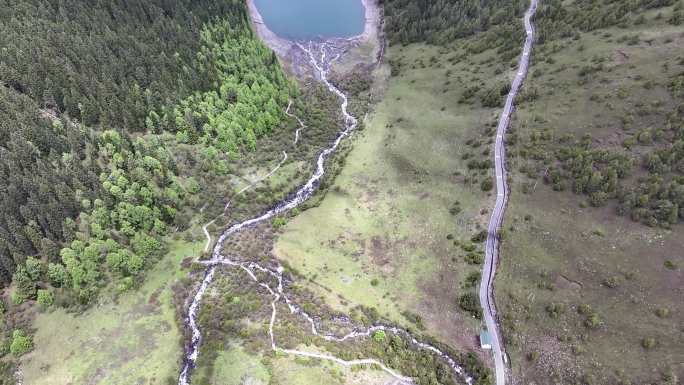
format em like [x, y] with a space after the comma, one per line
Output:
[492, 245]
[322, 66]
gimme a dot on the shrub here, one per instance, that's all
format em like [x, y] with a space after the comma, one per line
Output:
[125, 284]
[593, 321]
[487, 185]
[45, 298]
[578, 350]
[598, 198]
[58, 274]
[17, 298]
[278, 222]
[648, 343]
[612, 282]
[21, 343]
[584, 309]
[474, 258]
[455, 209]
[34, 268]
[25, 285]
[555, 309]
[533, 356]
[479, 237]
[379, 336]
[494, 97]
[374, 282]
[663, 312]
[472, 279]
[470, 303]
[415, 318]
[468, 247]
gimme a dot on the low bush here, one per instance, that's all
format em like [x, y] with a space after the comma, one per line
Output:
[474, 258]
[379, 336]
[555, 309]
[479, 237]
[21, 343]
[472, 279]
[648, 343]
[487, 185]
[470, 303]
[45, 298]
[593, 321]
[663, 312]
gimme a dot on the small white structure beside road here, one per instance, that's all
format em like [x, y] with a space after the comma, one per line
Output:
[485, 340]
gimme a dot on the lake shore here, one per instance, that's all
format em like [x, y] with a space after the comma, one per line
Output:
[282, 46]
[279, 45]
[373, 20]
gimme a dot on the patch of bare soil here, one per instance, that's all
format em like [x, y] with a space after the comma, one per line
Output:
[154, 298]
[379, 251]
[441, 314]
[186, 262]
[621, 57]
[563, 282]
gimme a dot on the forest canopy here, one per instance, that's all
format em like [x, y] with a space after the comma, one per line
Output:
[442, 21]
[95, 98]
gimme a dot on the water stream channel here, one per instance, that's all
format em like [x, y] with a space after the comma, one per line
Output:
[321, 56]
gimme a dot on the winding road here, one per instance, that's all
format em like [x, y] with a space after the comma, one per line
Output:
[496, 220]
[301, 124]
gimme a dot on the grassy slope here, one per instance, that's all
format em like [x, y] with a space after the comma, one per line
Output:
[391, 202]
[135, 338]
[295, 371]
[409, 253]
[573, 249]
[235, 367]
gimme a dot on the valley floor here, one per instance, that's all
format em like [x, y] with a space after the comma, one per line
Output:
[387, 235]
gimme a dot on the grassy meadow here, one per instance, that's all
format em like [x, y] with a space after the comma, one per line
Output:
[132, 339]
[587, 296]
[384, 236]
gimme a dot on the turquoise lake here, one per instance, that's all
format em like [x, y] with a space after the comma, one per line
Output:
[312, 19]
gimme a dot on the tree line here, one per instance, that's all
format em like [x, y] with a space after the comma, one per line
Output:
[95, 101]
[443, 21]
